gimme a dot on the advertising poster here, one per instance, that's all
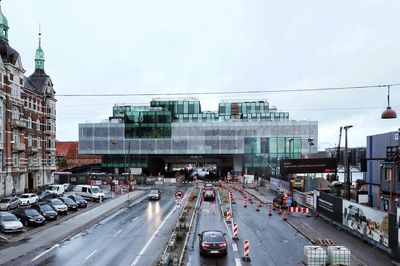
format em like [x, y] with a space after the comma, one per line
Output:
[367, 221]
[330, 206]
[398, 225]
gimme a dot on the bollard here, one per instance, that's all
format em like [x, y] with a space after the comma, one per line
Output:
[228, 216]
[258, 207]
[246, 256]
[279, 210]
[284, 216]
[270, 210]
[244, 203]
[251, 198]
[235, 231]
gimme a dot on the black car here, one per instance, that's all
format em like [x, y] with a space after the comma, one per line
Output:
[45, 195]
[82, 203]
[209, 195]
[44, 209]
[213, 243]
[29, 216]
[72, 206]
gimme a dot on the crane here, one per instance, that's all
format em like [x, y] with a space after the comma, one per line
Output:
[338, 152]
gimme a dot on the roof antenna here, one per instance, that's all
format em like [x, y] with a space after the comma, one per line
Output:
[40, 35]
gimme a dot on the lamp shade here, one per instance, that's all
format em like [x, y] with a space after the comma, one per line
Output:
[389, 113]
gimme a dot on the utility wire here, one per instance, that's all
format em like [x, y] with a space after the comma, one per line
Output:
[227, 92]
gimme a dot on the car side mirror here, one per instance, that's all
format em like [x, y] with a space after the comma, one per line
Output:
[198, 234]
[224, 234]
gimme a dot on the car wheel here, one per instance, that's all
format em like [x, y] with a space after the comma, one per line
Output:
[28, 202]
[8, 208]
[1, 229]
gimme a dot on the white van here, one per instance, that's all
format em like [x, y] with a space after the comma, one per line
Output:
[91, 192]
[57, 190]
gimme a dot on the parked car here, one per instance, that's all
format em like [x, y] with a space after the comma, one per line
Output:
[213, 243]
[29, 216]
[58, 206]
[154, 194]
[209, 195]
[58, 190]
[70, 188]
[82, 203]
[44, 209]
[9, 223]
[28, 198]
[72, 206]
[91, 192]
[9, 203]
[45, 195]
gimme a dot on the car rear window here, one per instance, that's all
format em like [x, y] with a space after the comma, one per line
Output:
[4, 200]
[213, 237]
[24, 196]
[56, 202]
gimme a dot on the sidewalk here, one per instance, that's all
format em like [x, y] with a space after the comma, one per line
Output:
[317, 228]
[65, 229]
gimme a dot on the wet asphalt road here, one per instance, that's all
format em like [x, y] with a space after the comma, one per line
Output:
[272, 241]
[135, 235]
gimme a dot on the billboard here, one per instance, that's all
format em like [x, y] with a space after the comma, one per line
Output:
[330, 206]
[367, 221]
[318, 165]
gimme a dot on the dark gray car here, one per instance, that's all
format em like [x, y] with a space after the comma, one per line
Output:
[9, 203]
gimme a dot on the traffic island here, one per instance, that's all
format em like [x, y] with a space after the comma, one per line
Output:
[176, 246]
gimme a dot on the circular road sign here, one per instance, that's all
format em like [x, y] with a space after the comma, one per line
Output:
[179, 194]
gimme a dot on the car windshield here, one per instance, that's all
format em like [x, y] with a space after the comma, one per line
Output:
[9, 218]
[24, 196]
[56, 202]
[77, 197]
[213, 237]
[154, 192]
[4, 200]
[45, 208]
[53, 188]
[96, 190]
[31, 212]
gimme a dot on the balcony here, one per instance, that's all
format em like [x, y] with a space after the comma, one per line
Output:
[50, 115]
[32, 150]
[18, 147]
[16, 123]
[49, 132]
[18, 169]
[34, 167]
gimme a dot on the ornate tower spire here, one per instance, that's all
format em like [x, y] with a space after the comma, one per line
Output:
[3, 26]
[39, 57]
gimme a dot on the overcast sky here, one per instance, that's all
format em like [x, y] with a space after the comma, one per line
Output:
[126, 46]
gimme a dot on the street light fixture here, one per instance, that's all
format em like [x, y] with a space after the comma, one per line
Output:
[389, 113]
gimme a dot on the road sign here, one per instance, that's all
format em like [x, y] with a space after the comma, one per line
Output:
[179, 194]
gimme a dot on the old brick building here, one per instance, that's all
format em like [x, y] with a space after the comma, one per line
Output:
[27, 120]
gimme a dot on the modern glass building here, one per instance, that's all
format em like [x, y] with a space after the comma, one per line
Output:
[245, 137]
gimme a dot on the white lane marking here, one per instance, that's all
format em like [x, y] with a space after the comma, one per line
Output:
[227, 228]
[152, 237]
[134, 219]
[117, 233]
[238, 262]
[41, 254]
[234, 247]
[91, 254]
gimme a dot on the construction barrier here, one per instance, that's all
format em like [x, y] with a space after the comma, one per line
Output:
[228, 215]
[298, 209]
[235, 231]
[246, 256]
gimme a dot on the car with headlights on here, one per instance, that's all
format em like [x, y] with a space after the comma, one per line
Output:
[29, 216]
[58, 206]
[213, 242]
[154, 194]
[72, 206]
[9, 223]
[44, 209]
[82, 203]
[9, 203]
[209, 195]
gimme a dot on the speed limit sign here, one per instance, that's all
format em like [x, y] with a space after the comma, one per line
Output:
[179, 194]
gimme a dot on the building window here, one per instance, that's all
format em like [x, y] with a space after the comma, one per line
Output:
[38, 124]
[29, 140]
[29, 122]
[15, 112]
[16, 136]
[29, 103]
[15, 91]
[34, 105]
[39, 142]
[16, 159]
[30, 160]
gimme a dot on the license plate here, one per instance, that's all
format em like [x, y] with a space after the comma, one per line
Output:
[214, 251]
[51, 217]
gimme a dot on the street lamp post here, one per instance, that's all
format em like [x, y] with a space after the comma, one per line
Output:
[346, 164]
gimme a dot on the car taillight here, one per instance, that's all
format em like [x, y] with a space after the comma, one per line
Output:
[222, 245]
[204, 245]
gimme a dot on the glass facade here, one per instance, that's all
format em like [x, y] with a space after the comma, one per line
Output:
[180, 128]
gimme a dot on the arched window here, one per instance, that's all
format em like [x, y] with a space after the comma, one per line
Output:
[15, 112]
[38, 124]
[29, 122]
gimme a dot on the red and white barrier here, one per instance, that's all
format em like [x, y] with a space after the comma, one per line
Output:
[235, 231]
[228, 215]
[298, 209]
[246, 256]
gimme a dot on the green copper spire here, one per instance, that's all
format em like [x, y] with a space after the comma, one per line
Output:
[39, 57]
[3, 26]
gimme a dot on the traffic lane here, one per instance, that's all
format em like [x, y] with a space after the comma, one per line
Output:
[271, 238]
[209, 217]
[104, 240]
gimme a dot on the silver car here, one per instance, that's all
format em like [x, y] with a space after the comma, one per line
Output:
[9, 203]
[9, 223]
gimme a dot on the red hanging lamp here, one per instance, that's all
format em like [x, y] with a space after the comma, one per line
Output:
[389, 113]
